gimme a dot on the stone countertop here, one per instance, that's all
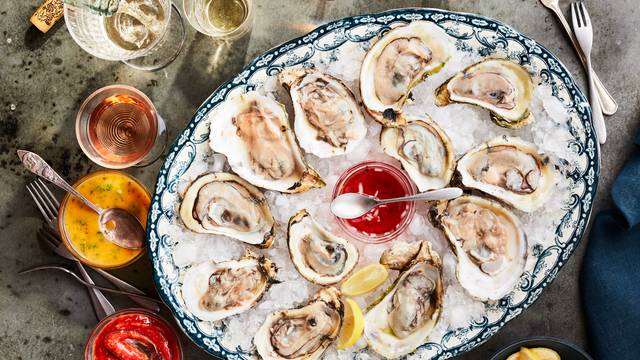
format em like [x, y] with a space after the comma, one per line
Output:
[44, 78]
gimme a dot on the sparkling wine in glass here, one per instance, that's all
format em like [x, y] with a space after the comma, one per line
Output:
[118, 127]
[138, 24]
[145, 34]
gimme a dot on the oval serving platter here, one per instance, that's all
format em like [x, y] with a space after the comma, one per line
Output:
[473, 34]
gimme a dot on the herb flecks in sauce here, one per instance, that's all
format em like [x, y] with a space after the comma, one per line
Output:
[112, 189]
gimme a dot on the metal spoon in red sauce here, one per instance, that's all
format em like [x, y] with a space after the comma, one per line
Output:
[382, 181]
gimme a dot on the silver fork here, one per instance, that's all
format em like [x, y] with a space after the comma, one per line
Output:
[51, 239]
[607, 102]
[584, 33]
[48, 206]
[101, 306]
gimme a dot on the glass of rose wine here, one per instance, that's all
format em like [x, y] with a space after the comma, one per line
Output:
[118, 127]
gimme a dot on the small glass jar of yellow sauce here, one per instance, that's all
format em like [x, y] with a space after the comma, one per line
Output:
[78, 224]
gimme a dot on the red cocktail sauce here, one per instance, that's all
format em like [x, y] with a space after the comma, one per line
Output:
[133, 335]
[381, 181]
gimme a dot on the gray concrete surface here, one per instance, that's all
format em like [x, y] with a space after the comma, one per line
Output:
[43, 79]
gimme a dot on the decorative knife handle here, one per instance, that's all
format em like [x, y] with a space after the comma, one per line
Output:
[34, 163]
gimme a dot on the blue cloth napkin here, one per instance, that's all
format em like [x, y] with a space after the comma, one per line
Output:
[610, 277]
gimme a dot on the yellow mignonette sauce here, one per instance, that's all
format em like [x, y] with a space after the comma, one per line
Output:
[107, 189]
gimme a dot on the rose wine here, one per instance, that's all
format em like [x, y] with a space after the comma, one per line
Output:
[122, 128]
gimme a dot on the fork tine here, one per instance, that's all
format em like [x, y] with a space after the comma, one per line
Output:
[574, 17]
[43, 211]
[575, 11]
[51, 215]
[48, 201]
[51, 240]
[53, 233]
[585, 14]
[51, 196]
[45, 237]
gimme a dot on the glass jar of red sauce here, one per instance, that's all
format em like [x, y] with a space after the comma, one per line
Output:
[382, 181]
[133, 334]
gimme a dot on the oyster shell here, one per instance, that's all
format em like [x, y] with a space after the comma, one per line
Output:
[399, 61]
[500, 86]
[511, 170]
[424, 150]
[302, 333]
[328, 120]
[408, 312]
[253, 132]
[319, 256]
[400, 255]
[489, 242]
[214, 291]
[224, 204]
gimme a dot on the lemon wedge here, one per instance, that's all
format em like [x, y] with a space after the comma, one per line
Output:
[352, 325]
[546, 354]
[514, 356]
[364, 280]
[528, 354]
[539, 353]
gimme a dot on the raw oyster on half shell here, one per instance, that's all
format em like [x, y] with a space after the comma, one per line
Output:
[302, 333]
[319, 256]
[214, 291]
[225, 204]
[489, 242]
[399, 61]
[253, 132]
[425, 151]
[328, 120]
[511, 170]
[401, 321]
[503, 87]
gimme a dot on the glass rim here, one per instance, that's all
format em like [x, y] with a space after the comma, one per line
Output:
[136, 310]
[132, 54]
[405, 181]
[229, 35]
[88, 150]
[62, 230]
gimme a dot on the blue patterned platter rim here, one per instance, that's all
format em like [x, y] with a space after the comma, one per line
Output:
[472, 33]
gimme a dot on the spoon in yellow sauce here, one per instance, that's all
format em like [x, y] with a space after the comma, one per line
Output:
[117, 225]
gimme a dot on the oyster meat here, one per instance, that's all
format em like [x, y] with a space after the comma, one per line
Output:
[424, 150]
[302, 333]
[328, 120]
[253, 132]
[319, 256]
[404, 317]
[500, 86]
[224, 204]
[511, 170]
[214, 291]
[489, 243]
[396, 63]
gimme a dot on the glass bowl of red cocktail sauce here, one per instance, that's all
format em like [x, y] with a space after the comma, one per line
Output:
[382, 181]
[133, 334]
